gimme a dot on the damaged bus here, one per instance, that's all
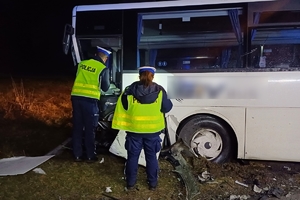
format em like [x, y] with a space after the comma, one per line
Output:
[230, 67]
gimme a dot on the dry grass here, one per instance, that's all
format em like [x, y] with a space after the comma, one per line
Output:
[35, 112]
[21, 99]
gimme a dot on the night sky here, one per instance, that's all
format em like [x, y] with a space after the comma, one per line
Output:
[31, 35]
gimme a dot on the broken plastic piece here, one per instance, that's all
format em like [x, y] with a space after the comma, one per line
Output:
[242, 184]
[205, 176]
[102, 160]
[39, 171]
[108, 189]
[239, 197]
[257, 189]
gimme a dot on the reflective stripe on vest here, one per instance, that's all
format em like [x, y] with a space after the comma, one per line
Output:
[139, 118]
[87, 83]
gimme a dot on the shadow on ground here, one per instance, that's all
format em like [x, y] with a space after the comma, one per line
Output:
[28, 136]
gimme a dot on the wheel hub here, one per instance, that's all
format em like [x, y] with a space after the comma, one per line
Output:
[207, 143]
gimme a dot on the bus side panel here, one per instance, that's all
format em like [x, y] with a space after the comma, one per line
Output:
[273, 134]
[270, 99]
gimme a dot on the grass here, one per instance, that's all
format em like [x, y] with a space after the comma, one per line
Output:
[35, 118]
[65, 179]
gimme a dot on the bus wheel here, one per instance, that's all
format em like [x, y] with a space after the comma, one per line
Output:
[208, 137]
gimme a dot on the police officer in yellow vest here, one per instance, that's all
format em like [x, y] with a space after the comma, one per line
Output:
[140, 112]
[92, 76]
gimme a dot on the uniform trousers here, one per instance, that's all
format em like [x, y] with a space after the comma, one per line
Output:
[151, 145]
[85, 121]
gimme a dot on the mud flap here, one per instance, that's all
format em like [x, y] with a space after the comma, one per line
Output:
[174, 156]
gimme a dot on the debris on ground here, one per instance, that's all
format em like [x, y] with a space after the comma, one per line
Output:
[39, 171]
[174, 155]
[108, 189]
[101, 161]
[205, 177]
[239, 197]
[242, 184]
[257, 189]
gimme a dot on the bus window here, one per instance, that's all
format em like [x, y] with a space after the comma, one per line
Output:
[189, 40]
[99, 23]
[276, 48]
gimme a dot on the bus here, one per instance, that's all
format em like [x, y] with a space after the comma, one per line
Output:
[230, 67]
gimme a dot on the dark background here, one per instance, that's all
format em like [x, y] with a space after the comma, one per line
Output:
[31, 35]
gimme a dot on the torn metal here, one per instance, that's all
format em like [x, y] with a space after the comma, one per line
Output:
[174, 155]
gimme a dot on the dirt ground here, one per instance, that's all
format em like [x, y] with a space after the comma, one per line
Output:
[257, 180]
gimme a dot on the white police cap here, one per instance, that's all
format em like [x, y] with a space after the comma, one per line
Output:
[102, 50]
[147, 68]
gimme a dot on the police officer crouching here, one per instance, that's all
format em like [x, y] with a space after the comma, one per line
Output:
[140, 112]
[85, 95]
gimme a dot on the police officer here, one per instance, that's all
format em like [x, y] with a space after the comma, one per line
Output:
[92, 76]
[140, 112]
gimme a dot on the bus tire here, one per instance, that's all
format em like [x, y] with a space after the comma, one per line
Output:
[208, 137]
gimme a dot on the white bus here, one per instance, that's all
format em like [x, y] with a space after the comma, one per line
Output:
[230, 67]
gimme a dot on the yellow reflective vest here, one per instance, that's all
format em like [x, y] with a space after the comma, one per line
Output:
[87, 83]
[139, 118]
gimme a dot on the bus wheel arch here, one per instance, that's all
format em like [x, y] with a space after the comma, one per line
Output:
[209, 136]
